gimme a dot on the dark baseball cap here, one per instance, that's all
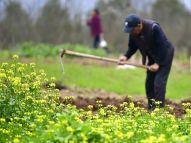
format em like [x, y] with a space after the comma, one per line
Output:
[131, 21]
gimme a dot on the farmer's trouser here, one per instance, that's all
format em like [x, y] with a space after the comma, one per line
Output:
[96, 42]
[156, 82]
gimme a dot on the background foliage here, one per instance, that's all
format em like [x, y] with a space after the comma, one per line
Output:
[57, 24]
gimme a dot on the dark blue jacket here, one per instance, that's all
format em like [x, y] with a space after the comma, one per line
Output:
[151, 42]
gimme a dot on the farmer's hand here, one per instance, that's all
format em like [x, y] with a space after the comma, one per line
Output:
[154, 67]
[122, 60]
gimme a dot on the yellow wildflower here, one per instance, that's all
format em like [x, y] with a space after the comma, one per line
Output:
[16, 140]
[129, 134]
[2, 120]
[32, 65]
[69, 129]
[15, 57]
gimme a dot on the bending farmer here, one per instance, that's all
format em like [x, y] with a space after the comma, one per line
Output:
[157, 52]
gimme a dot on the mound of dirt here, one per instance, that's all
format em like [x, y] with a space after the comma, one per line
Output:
[84, 97]
[83, 103]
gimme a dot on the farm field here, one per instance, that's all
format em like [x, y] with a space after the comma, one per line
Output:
[92, 74]
[93, 104]
[63, 78]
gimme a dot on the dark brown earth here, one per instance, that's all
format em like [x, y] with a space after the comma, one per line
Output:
[84, 97]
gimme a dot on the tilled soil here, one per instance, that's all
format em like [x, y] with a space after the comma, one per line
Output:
[84, 97]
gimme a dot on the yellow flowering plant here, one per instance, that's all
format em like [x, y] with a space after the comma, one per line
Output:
[32, 114]
[23, 101]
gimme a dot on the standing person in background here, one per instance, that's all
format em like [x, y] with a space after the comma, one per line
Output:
[148, 37]
[96, 27]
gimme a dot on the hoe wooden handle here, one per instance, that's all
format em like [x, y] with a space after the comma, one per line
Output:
[67, 52]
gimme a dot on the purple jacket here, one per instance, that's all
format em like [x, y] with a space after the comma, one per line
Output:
[95, 25]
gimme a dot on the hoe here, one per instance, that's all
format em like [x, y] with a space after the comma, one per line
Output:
[111, 60]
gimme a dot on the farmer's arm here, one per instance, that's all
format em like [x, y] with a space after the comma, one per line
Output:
[160, 42]
[131, 50]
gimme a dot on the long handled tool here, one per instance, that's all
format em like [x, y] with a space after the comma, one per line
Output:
[67, 52]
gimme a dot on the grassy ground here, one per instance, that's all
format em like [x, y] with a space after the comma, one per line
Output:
[108, 78]
[98, 76]
[124, 82]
